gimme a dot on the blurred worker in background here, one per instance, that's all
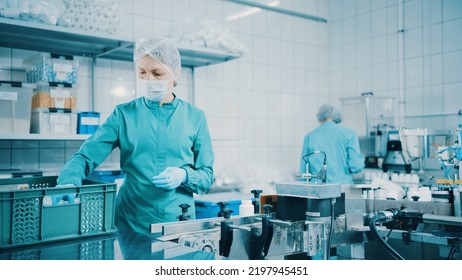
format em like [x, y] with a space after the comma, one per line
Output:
[340, 144]
[165, 146]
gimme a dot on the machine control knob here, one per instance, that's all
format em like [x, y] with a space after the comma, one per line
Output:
[184, 212]
[256, 193]
[222, 205]
[256, 201]
[227, 213]
[267, 208]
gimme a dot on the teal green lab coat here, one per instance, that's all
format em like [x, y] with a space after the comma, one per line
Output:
[341, 146]
[150, 138]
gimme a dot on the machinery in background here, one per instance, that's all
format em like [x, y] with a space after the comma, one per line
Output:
[367, 112]
[450, 156]
[399, 148]
[395, 158]
[421, 144]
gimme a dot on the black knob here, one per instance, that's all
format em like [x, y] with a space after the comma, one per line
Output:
[222, 205]
[267, 208]
[256, 201]
[256, 193]
[227, 213]
[184, 207]
[415, 198]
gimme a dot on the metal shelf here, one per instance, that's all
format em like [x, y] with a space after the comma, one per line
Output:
[66, 41]
[43, 137]
[196, 57]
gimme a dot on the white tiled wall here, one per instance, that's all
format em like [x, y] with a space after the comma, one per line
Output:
[258, 107]
[363, 48]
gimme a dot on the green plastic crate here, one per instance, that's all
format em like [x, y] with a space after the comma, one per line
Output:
[25, 220]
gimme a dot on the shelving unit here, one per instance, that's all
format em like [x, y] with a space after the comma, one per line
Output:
[66, 41]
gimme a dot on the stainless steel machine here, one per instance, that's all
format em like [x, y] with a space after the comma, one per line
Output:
[322, 221]
[297, 223]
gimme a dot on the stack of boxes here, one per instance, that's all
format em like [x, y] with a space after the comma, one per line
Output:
[54, 100]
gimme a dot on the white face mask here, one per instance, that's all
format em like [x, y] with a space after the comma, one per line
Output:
[154, 90]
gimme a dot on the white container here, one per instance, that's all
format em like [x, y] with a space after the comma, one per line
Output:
[44, 121]
[15, 103]
[246, 208]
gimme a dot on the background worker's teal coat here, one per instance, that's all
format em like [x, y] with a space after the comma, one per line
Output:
[341, 146]
[150, 138]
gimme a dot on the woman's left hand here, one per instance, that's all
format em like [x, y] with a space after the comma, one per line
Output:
[170, 178]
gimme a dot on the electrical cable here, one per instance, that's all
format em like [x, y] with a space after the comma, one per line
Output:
[388, 249]
[305, 157]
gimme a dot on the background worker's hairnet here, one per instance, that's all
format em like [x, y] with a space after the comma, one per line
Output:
[163, 51]
[328, 111]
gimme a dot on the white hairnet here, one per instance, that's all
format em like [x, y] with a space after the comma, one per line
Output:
[163, 51]
[328, 111]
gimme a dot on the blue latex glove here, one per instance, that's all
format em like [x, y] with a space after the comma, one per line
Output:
[68, 197]
[170, 178]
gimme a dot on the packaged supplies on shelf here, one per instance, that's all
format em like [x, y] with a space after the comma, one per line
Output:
[47, 12]
[15, 104]
[53, 121]
[90, 15]
[87, 122]
[54, 96]
[52, 68]
[27, 220]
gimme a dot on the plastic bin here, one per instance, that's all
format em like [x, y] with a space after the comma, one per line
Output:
[87, 122]
[15, 107]
[112, 176]
[54, 96]
[53, 121]
[51, 68]
[26, 220]
[207, 205]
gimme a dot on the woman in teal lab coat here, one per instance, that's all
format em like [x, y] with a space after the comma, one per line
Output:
[165, 145]
[341, 145]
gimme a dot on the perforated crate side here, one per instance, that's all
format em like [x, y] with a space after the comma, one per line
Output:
[26, 220]
[92, 215]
